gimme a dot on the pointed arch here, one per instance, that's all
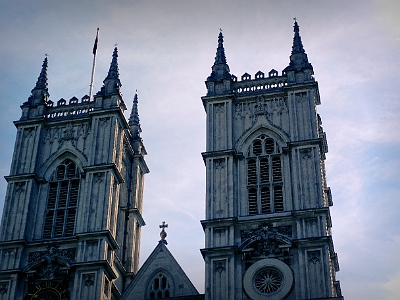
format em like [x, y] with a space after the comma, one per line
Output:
[62, 200]
[262, 128]
[56, 158]
[262, 149]
[160, 285]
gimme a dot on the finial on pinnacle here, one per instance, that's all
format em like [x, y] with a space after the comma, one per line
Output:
[163, 234]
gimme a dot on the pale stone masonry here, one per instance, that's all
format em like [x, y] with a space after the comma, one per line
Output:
[72, 218]
[72, 215]
[267, 227]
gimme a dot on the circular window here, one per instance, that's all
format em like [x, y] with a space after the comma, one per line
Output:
[268, 281]
[268, 278]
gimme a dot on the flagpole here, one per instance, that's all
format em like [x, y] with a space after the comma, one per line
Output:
[94, 65]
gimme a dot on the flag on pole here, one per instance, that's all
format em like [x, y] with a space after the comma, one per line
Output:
[95, 42]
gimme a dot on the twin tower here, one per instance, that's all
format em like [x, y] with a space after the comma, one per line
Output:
[72, 217]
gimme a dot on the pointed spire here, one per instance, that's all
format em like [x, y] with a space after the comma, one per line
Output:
[113, 72]
[220, 56]
[298, 58]
[297, 44]
[39, 93]
[220, 69]
[42, 79]
[112, 84]
[134, 121]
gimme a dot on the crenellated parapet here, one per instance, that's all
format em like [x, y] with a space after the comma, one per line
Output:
[259, 85]
[73, 109]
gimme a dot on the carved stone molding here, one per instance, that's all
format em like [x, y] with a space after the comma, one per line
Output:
[301, 97]
[98, 177]
[68, 132]
[88, 279]
[104, 121]
[305, 153]
[266, 240]
[3, 288]
[219, 164]
[314, 257]
[51, 253]
[20, 187]
[28, 132]
[219, 266]
[219, 108]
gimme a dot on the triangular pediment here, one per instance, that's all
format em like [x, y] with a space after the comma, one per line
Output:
[162, 274]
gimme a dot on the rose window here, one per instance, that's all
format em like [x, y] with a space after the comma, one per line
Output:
[268, 281]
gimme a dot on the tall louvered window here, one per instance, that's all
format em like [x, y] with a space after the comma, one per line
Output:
[264, 177]
[62, 201]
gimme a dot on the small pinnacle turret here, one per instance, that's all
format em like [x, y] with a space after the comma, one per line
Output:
[112, 84]
[134, 121]
[298, 58]
[220, 69]
[40, 93]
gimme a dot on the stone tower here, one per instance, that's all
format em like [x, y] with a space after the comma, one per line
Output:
[268, 226]
[73, 210]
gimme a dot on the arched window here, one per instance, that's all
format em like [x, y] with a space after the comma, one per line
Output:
[264, 176]
[160, 286]
[62, 201]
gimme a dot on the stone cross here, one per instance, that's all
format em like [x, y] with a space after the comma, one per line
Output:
[163, 225]
[163, 234]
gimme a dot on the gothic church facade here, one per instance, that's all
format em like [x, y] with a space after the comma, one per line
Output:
[267, 227]
[73, 211]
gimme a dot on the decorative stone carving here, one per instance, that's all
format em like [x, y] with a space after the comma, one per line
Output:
[104, 121]
[314, 257]
[305, 153]
[219, 266]
[98, 177]
[68, 132]
[88, 279]
[83, 130]
[219, 164]
[20, 187]
[219, 108]
[3, 288]
[266, 240]
[28, 132]
[301, 97]
[51, 253]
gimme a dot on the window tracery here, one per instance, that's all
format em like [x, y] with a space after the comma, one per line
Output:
[264, 176]
[160, 286]
[62, 201]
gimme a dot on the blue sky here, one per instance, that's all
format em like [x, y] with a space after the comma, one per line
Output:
[166, 50]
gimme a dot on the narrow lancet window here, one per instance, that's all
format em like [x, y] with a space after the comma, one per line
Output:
[251, 172]
[253, 207]
[278, 199]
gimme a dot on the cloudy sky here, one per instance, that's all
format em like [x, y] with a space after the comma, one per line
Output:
[166, 50]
